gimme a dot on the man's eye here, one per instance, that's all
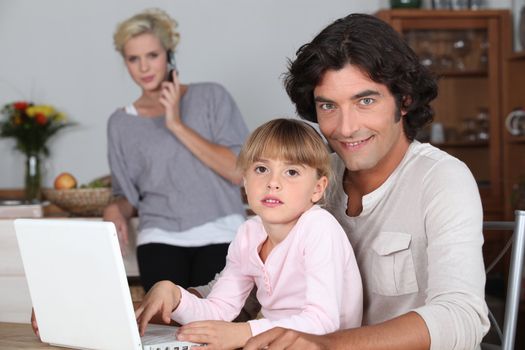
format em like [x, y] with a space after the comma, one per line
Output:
[367, 101]
[260, 169]
[292, 172]
[326, 106]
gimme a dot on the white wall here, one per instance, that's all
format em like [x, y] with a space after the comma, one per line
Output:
[60, 52]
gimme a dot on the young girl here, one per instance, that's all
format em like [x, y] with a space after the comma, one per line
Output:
[294, 251]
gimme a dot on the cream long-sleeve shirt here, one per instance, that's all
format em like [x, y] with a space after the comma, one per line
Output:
[418, 245]
[310, 281]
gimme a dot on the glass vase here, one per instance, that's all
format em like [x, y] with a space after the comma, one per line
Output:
[33, 178]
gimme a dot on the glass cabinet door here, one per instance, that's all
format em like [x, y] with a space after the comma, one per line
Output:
[463, 49]
[460, 58]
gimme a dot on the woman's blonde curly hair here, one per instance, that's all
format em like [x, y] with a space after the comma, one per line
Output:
[154, 21]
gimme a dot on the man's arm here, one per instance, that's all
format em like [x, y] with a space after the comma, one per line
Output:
[406, 332]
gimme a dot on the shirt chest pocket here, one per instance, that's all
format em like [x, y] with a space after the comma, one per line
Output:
[393, 271]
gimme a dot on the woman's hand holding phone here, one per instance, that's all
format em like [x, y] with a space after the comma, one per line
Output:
[170, 98]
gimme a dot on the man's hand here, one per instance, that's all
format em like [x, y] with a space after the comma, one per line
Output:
[217, 335]
[163, 298]
[282, 338]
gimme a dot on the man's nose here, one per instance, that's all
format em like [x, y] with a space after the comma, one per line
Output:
[349, 121]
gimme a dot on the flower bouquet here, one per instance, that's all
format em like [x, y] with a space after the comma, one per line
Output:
[31, 126]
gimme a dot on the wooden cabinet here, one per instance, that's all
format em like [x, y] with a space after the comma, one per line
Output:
[466, 50]
[513, 145]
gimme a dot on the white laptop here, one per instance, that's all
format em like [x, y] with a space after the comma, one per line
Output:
[79, 290]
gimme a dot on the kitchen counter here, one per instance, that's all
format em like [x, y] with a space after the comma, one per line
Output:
[15, 301]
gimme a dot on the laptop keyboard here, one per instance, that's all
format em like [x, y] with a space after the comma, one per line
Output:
[161, 337]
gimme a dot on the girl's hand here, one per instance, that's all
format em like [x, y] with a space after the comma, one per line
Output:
[170, 96]
[217, 335]
[34, 323]
[163, 298]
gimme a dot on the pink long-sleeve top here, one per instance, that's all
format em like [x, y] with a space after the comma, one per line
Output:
[310, 281]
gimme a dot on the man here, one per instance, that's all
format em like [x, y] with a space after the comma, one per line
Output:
[412, 212]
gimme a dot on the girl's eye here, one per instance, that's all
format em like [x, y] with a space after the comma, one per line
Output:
[260, 169]
[292, 172]
[154, 55]
[367, 101]
[132, 59]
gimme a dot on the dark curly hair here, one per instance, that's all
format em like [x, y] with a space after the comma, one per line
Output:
[376, 48]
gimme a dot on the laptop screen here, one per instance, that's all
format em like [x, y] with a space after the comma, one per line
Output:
[78, 284]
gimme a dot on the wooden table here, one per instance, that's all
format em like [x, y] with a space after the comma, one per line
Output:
[20, 336]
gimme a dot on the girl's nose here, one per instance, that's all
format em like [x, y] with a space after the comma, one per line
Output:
[273, 185]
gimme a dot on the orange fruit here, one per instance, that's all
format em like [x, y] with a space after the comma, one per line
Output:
[65, 181]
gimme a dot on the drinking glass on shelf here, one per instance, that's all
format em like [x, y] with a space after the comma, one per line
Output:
[446, 59]
[482, 124]
[468, 129]
[460, 49]
[484, 55]
[477, 4]
[425, 51]
[460, 4]
[442, 4]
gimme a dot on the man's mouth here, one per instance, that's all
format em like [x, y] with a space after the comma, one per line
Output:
[355, 145]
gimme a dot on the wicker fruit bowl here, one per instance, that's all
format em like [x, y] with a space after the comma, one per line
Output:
[80, 201]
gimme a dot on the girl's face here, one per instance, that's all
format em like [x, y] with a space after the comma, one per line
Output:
[280, 192]
[146, 60]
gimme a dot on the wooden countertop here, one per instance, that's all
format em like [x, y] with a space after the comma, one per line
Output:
[20, 336]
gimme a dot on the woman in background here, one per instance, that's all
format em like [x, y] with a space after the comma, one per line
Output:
[172, 155]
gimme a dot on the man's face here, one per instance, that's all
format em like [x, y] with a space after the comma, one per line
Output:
[358, 118]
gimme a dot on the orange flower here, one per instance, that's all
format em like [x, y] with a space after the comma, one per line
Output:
[40, 119]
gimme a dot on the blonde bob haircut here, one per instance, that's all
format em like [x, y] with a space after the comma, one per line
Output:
[154, 21]
[288, 140]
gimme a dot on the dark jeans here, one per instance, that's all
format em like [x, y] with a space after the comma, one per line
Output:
[183, 266]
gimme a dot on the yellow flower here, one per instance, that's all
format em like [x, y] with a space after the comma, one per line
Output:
[60, 117]
[46, 110]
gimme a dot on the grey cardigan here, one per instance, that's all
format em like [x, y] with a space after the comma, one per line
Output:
[159, 176]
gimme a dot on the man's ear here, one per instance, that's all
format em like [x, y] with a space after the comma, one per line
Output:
[407, 101]
[319, 189]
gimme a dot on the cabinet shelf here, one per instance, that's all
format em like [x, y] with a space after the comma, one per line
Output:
[517, 139]
[463, 144]
[517, 56]
[458, 74]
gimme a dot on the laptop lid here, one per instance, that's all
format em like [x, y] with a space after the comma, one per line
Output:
[78, 284]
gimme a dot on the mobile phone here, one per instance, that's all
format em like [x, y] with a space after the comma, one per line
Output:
[172, 66]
